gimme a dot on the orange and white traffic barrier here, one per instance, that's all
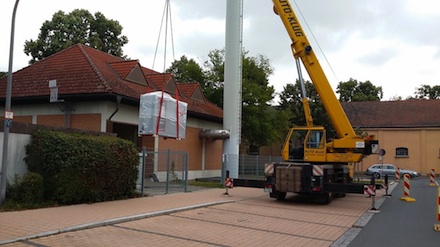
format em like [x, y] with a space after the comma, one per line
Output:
[407, 189]
[369, 190]
[229, 183]
[437, 226]
[432, 178]
[397, 173]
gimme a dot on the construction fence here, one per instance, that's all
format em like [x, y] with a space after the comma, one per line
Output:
[167, 171]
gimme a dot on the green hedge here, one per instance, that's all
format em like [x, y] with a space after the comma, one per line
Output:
[27, 189]
[79, 168]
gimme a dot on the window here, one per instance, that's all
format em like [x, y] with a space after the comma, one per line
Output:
[315, 139]
[401, 152]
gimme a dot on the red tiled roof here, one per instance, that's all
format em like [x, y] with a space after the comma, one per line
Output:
[188, 88]
[201, 106]
[81, 70]
[159, 79]
[393, 114]
[123, 68]
[206, 108]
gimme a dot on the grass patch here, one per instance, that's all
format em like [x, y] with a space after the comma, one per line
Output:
[11, 205]
[368, 180]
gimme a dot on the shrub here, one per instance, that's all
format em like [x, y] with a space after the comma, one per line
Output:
[27, 189]
[80, 168]
[30, 189]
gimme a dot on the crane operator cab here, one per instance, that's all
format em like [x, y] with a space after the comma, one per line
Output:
[301, 140]
[309, 144]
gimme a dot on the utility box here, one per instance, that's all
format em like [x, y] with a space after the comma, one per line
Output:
[160, 114]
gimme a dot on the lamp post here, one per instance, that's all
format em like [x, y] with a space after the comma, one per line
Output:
[4, 174]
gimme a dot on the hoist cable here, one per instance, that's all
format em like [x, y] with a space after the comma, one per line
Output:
[166, 15]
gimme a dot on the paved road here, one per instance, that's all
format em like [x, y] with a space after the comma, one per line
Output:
[402, 223]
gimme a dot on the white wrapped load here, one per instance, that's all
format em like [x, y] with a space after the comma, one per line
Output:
[172, 115]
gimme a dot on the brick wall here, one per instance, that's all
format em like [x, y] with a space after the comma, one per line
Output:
[90, 122]
[194, 146]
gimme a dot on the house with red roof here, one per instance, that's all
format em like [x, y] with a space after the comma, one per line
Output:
[84, 88]
[408, 131]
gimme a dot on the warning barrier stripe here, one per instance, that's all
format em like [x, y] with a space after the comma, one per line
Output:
[369, 190]
[437, 226]
[268, 168]
[432, 181]
[406, 187]
[438, 204]
[397, 173]
[432, 177]
[318, 170]
[229, 182]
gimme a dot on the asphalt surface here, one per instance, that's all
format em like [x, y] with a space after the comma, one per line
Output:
[404, 223]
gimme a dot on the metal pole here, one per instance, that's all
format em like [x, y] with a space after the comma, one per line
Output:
[4, 174]
[386, 186]
[168, 171]
[223, 175]
[258, 165]
[183, 169]
[144, 151]
[373, 197]
[186, 171]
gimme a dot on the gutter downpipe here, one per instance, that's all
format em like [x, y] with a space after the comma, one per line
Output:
[118, 103]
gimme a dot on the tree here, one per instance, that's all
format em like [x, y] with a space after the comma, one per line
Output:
[3, 74]
[215, 72]
[187, 70]
[79, 26]
[261, 123]
[291, 100]
[352, 90]
[396, 98]
[258, 117]
[428, 92]
[257, 129]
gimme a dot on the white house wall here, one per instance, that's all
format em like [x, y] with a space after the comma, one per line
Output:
[16, 154]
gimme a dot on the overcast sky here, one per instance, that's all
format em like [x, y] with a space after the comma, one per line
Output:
[393, 44]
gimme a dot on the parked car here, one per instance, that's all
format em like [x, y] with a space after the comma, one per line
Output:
[379, 170]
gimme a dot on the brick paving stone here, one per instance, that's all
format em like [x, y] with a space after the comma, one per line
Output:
[245, 217]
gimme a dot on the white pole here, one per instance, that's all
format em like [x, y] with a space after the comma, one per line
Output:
[232, 85]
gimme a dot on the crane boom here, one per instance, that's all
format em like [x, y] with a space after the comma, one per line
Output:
[302, 49]
[348, 147]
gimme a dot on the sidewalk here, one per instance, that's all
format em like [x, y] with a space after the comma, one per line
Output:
[28, 224]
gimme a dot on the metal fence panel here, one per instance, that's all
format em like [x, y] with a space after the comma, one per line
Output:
[252, 166]
[164, 172]
[249, 166]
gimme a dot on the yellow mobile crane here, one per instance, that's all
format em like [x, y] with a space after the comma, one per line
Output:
[313, 165]
[349, 147]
